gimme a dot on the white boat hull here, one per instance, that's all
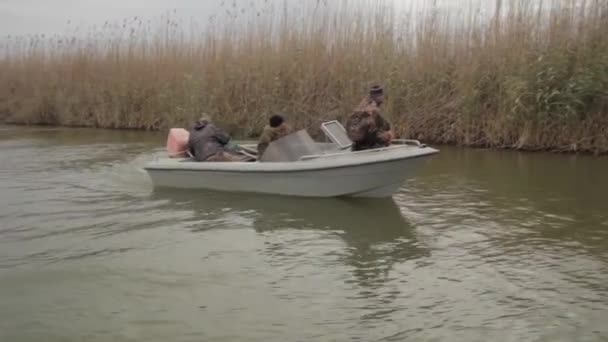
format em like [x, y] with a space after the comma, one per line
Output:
[362, 174]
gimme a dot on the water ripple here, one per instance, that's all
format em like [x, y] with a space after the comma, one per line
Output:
[463, 252]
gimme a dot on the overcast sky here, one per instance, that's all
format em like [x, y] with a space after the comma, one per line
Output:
[52, 16]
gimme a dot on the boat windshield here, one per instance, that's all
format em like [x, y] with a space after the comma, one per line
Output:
[291, 148]
[336, 133]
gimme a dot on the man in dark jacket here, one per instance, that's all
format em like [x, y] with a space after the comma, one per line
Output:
[207, 142]
[365, 126]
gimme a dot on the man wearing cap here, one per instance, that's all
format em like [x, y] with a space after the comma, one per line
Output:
[207, 142]
[366, 127]
[276, 129]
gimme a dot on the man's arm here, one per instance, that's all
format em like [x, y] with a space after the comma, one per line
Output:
[221, 135]
[383, 129]
[263, 142]
[382, 124]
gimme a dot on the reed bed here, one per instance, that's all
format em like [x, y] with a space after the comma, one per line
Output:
[525, 75]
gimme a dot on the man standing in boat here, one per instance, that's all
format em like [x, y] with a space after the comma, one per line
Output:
[365, 126]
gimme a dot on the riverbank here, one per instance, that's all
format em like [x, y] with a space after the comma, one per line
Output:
[529, 78]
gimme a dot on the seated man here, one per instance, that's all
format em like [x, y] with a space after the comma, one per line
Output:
[276, 129]
[207, 142]
[365, 126]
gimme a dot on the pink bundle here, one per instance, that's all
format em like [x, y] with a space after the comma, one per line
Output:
[177, 143]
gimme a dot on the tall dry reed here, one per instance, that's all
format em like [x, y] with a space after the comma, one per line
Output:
[526, 75]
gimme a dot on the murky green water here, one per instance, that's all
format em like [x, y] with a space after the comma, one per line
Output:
[481, 246]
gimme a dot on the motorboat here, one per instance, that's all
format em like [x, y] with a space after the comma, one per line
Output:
[296, 165]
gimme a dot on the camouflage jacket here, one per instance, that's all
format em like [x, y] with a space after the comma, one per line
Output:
[365, 126]
[271, 134]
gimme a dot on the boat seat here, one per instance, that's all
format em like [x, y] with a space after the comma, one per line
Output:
[337, 134]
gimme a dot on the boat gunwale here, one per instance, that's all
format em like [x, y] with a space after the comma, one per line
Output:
[303, 165]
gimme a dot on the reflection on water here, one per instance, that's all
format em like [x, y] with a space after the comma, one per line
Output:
[481, 245]
[374, 232]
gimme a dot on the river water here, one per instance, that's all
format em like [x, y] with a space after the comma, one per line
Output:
[480, 246]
